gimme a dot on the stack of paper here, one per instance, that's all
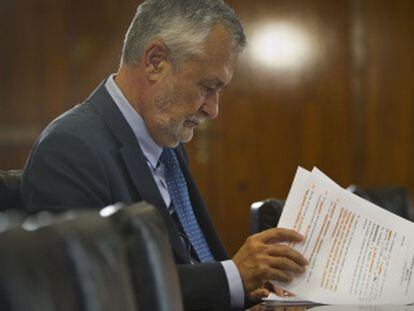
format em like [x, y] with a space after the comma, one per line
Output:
[275, 300]
[359, 253]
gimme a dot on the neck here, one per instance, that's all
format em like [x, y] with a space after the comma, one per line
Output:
[129, 85]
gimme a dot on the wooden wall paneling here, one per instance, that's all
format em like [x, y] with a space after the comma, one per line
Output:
[97, 38]
[13, 157]
[389, 93]
[357, 61]
[55, 26]
[20, 99]
[350, 116]
[55, 55]
[274, 120]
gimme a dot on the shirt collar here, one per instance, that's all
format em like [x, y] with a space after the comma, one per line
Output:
[150, 148]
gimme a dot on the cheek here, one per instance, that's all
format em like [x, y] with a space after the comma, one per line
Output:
[189, 103]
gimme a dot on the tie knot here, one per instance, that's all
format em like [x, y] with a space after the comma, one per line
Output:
[168, 158]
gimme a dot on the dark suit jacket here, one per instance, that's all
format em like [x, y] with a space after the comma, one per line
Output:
[89, 157]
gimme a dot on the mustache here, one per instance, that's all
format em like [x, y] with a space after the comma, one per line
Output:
[197, 119]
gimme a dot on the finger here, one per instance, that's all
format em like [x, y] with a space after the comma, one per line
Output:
[269, 286]
[278, 250]
[276, 275]
[288, 294]
[276, 235]
[259, 294]
[285, 264]
[279, 291]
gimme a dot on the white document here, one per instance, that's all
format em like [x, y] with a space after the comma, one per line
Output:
[275, 300]
[359, 253]
[364, 308]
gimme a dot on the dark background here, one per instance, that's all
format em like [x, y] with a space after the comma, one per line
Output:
[347, 108]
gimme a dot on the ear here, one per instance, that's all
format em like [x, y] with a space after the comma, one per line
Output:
[156, 60]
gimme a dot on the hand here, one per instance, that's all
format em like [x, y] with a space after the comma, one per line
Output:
[278, 290]
[261, 259]
[282, 293]
[266, 289]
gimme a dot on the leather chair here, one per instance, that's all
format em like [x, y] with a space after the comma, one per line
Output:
[394, 199]
[34, 272]
[117, 259]
[10, 189]
[154, 272]
[266, 214]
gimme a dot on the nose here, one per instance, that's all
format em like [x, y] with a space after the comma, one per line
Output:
[211, 106]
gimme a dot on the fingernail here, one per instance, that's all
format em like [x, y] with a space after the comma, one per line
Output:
[299, 273]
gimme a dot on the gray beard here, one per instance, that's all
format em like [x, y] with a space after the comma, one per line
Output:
[169, 127]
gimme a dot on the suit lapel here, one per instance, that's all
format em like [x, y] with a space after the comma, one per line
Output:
[144, 182]
[200, 210]
[135, 163]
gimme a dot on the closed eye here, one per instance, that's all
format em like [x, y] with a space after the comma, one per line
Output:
[208, 89]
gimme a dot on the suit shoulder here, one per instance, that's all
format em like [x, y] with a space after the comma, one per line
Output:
[82, 122]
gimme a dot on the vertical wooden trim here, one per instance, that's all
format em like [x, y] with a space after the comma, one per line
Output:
[357, 53]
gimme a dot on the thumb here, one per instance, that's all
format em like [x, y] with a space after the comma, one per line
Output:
[258, 294]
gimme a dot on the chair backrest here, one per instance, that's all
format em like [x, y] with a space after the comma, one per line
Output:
[152, 265]
[10, 189]
[393, 198]
[97, 255]
[265, 214]
[88, 261]
[34, 273]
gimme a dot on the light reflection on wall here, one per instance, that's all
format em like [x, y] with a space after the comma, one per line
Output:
[281, 46]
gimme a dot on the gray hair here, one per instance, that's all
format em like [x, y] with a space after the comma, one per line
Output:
[183, 25]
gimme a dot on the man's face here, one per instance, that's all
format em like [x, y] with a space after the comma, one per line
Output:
[189, 95]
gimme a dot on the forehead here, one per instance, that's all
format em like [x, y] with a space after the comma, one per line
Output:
[218, 59]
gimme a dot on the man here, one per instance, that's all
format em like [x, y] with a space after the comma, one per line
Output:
[124, 144]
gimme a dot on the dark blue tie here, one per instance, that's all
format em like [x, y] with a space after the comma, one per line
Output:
[178, 191]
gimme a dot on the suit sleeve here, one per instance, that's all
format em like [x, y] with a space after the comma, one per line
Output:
[64, 172]
[204, 287]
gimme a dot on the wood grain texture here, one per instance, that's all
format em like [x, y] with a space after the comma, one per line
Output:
[53, 55]
[274, 120]
[347, 110]
[388, 84]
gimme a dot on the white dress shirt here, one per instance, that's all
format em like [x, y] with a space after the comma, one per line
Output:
[152, 153]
